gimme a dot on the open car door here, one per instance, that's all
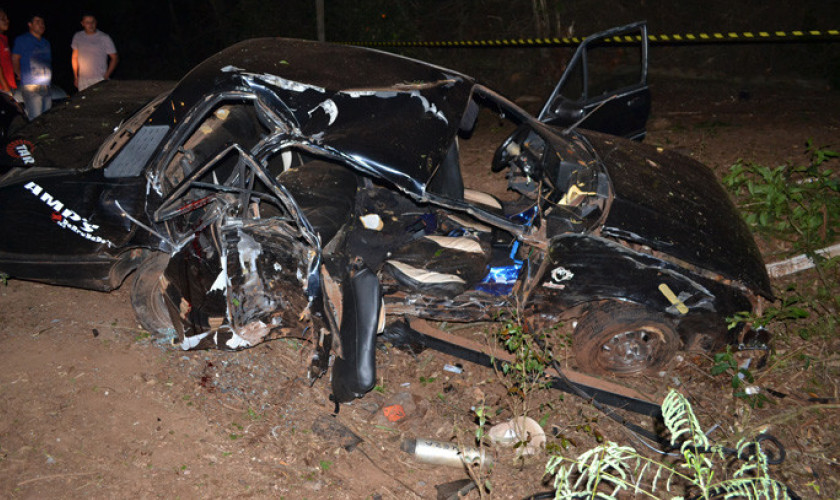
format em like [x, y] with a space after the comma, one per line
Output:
[604, 87]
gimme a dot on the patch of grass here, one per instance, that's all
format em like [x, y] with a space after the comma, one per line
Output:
[142, 336]
[795, 203]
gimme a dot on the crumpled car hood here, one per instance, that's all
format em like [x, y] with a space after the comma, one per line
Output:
[675, 205]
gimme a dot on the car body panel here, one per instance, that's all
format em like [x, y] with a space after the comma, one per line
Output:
[10, 110]
[12, 113]
[59, 222]
[345, 96]
[585, 268]
[70, 133]
[676, 206]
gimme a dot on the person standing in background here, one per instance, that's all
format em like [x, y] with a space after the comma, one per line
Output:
[7, 69]
[32, 60]
[94, 55]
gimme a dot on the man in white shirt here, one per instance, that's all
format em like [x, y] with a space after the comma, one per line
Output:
[94, 55]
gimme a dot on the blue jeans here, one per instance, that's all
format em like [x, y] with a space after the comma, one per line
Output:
[36, 99]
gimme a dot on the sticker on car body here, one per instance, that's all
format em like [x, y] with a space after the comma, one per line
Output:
[66, 218]
[22, 150]
[558, 275]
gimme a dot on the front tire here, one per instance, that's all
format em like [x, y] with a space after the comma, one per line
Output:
[624, 339]
[147, 297]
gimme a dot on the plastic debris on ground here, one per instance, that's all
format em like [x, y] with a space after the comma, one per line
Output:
[519, 430]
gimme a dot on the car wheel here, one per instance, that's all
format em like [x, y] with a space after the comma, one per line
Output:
[624, 339]
[147, 297]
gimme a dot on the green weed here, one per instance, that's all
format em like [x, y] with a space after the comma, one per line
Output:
[799, 205]
[612, 471]
[531, 357]
[740, 378]
[795, 203]
[482, 414]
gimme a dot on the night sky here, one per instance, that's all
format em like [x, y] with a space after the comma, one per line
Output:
[163, 39]
[63, 20]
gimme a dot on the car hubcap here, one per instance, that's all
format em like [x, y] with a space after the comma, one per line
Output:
[631, 350]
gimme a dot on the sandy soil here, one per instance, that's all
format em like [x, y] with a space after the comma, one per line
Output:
[89, 407]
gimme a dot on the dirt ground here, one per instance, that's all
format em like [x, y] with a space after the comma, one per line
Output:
[89, 407]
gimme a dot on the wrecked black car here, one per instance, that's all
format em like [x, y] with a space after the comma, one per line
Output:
[289, 188]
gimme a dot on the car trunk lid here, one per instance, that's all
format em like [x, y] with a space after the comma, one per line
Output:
[68, 135]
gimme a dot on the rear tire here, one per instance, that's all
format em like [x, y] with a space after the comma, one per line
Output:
[624, 339]
[147, 297]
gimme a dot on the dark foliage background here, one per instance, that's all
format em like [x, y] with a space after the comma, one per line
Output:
[162, 39]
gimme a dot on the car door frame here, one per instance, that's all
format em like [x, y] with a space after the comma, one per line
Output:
[623, 111]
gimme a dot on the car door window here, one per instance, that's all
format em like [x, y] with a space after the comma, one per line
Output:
[604, 88]
[612, 67]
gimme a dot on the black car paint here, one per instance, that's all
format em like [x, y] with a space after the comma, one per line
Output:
[393, 121]
[10, 111]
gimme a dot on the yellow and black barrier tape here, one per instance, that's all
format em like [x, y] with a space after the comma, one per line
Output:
[661, 39]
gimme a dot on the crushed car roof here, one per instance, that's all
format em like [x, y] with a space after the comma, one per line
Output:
[389, 114]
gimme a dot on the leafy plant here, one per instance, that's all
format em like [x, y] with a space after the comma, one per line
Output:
[479, 471]
[799, 204]
[611, 470]
[741, 377]
[481, 413]
[792, 307]
[526, 372]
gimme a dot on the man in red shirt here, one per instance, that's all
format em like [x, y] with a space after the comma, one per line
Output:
[7, 72]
